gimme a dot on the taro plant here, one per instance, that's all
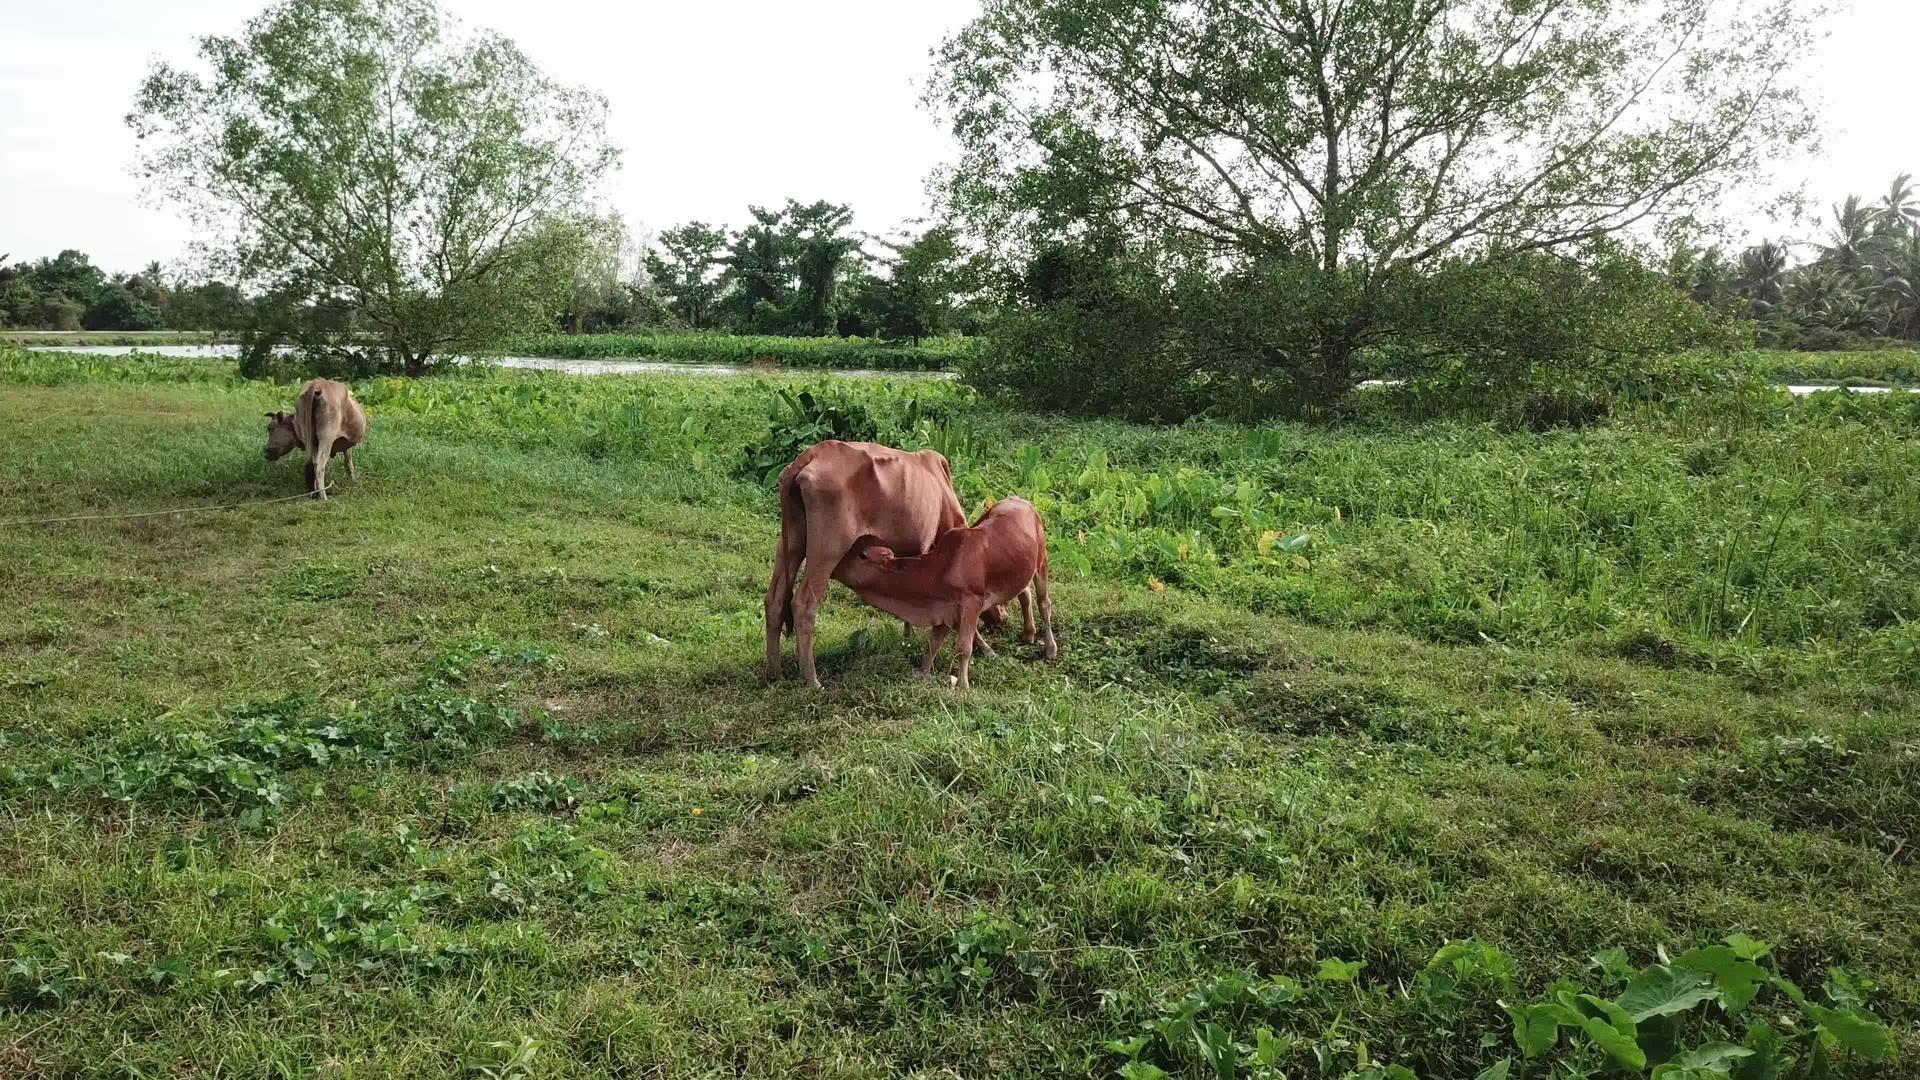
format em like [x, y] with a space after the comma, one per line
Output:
[1716, 1012]
[797, 421]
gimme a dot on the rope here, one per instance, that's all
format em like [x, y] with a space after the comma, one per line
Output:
[155, 513]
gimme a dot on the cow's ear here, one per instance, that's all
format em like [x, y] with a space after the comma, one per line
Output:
[878, 554]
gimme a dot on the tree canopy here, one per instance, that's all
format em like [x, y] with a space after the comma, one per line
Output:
[366, 157]
[1365, 141]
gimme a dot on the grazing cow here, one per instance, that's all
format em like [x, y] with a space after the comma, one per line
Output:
[326, 420]
[965, 573]
[834, 493]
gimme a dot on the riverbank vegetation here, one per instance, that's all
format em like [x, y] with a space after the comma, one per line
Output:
[472, 767]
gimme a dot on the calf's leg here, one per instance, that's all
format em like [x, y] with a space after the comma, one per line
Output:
[936, 637]
[1042, 594]
[969, 633]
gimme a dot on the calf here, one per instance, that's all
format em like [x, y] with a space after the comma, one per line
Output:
[326, 420]
[966, 572]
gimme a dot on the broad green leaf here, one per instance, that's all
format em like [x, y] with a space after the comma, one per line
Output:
[1140, 1070]
[1535, 1028]
[1609, 1011]
[1738, 979]
[1717, 1056]
[1216, 1045]
[1660, 990]
[1612, 1029]
[1747, 948]
[1496, 1071]
[1337, 970]
[1659, 1038]
[1858, 1031]
[1613, 962]
[1618, 1044]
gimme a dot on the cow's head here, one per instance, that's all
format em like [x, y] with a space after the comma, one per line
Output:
[280, 435]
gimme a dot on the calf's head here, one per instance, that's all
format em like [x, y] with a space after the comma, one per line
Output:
[280, 435]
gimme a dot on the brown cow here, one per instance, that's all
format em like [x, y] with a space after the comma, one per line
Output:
[834, 493]
[326, 420]
[966, 572]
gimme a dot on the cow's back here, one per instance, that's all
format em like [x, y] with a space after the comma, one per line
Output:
[853, 489]
[1013, 547]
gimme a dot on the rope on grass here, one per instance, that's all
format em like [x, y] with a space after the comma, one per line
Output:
[156, 513]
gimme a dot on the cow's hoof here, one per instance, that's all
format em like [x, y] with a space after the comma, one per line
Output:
[814, 684]
[1053, 652]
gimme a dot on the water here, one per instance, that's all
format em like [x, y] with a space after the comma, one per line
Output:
[660, 367]
[535, 363]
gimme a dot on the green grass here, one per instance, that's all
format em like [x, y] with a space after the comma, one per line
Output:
[823, 352]
[472, 762]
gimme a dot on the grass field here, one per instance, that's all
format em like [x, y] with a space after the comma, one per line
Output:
[469, 770]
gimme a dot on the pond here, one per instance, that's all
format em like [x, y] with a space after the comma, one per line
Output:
[536, 363]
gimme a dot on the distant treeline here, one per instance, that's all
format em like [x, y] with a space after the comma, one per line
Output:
[68, 292]
[1862, 283]
[796, 271]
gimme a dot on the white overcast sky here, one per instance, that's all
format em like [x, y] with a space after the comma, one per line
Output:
[717, 103]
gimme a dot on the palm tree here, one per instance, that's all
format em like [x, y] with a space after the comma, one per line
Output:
[1899, 289]
[1761, 268]
[1899, 211]
[1831, 297]
[1852, 232]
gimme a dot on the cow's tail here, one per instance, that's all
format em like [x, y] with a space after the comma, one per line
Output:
[793, 531]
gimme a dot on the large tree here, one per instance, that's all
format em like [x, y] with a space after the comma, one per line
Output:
[366, 157]
[683, 265]
[1350, 146]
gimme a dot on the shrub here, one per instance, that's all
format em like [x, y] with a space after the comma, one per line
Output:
[800, 420]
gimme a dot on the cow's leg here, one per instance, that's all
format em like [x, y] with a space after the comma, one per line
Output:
[1042, 593]
[1027, 632]
[936, 637]
[317, 475]
[986, 648]
[969, 634]
[823, 555]
[786, 561]
[352, 474]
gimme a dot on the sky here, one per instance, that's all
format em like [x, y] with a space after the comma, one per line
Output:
[718, 104]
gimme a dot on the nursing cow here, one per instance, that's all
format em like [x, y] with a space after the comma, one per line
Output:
[833, 494]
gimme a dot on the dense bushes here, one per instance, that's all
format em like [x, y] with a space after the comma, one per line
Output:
[1096, 332]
